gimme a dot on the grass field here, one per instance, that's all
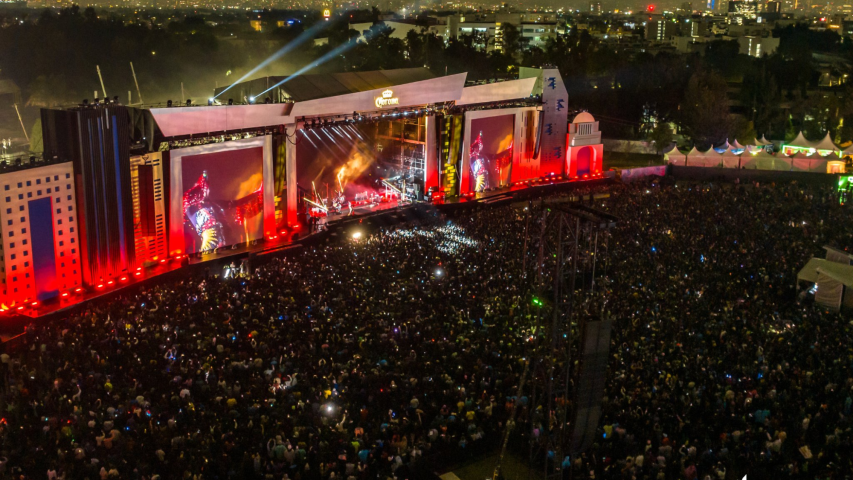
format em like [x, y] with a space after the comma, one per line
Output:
[630, 160]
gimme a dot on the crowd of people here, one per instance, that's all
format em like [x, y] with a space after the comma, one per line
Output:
[385, 356]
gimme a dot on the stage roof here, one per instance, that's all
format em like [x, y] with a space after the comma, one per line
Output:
[311, 87]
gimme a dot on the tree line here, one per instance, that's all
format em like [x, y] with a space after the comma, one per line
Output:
[708, 97]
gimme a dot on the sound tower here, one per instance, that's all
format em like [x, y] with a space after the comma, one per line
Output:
[595, 349]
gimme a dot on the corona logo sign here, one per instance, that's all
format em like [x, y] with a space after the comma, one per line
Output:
[387, 99]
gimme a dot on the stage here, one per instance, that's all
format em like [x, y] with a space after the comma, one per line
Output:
[290, 242]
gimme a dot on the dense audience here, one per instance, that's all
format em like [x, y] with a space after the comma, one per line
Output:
[378, 357]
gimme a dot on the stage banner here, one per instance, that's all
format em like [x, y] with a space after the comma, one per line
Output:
[555, 100]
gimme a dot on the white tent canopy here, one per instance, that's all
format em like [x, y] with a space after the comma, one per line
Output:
[674, 156]
[826, 144]
[765, 161]
[800, 141]
[800, 162]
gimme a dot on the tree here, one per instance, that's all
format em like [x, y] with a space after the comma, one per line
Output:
[512, 41]
[743, 130]
[661, 136]
[705, 115]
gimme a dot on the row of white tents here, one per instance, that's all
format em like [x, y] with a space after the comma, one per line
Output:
[757, 157]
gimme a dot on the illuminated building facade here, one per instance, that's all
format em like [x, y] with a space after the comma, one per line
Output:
[40, 240]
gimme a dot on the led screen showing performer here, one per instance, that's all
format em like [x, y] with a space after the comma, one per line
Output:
[351, 169]
[222, 202]
[490, 153]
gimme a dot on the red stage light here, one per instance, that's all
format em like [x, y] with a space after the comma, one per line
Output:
[110, 282]
[100, 285]
[34, 303]
[78, 290]
[138, 268]
[650, 8]
[123, 279]
[163, 261]
[20, 308]
[138, 273]
[65, 294]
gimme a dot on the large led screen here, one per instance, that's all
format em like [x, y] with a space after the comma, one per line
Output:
[353, 169]
[490, 155]
[223, 201]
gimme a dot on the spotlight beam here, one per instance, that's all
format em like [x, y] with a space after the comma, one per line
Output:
[302, 38]
[340, 49]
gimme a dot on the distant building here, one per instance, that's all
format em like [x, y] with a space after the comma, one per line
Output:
[757, 46]
[659, 29]
[595, 8]
[486, 29]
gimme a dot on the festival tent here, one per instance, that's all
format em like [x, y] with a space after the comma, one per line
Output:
[731, 157]
[765, 161]
[722, 148]
[834, 165]
[834, 282]
[800, 162]
[674, 156]
[708, 158]
[737, 147]
[689, 156]
[826, 146]
[763, 141]
[800, 143]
